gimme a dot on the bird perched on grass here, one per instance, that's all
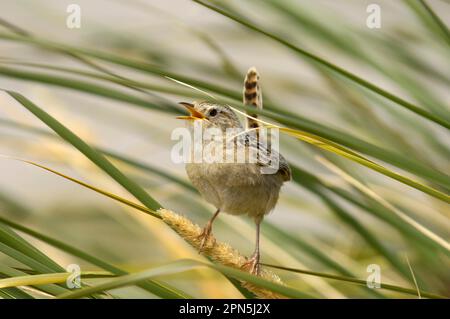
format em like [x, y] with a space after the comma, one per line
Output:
[237, 188]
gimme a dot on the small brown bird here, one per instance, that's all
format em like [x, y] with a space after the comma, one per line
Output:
[237, 188]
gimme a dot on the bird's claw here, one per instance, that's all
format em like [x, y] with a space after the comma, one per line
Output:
[252, 265]
[204, 237]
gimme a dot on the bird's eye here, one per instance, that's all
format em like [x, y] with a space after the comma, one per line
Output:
[213, 112]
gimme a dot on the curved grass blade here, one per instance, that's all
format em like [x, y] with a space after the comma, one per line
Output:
[98, 190]
[339, 150]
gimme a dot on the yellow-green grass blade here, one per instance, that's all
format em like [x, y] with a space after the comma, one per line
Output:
[334, 148]
[46, 279]
[323, 258]
[34, 280]
[50, 289]
[180, 267]
[359, 282]
[352, 77]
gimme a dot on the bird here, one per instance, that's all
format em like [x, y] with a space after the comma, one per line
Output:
[237, 188]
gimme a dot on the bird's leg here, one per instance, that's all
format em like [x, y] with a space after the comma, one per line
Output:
[206, 231]
[252, 264]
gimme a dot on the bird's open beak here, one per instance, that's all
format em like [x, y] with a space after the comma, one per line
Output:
[194, 114]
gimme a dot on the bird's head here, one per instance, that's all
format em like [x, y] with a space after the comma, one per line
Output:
[213, 115]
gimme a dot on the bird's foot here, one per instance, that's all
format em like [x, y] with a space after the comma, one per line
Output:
[252, 265]
[204, 237]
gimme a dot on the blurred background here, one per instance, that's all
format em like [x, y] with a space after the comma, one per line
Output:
[336, 217]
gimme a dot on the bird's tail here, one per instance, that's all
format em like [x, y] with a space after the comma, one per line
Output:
[252, 96]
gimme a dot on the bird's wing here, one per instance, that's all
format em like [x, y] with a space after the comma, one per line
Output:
[267, 157]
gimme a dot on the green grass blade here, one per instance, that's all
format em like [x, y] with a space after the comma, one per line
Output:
[341, 151]
[429, 18]
[14, 293]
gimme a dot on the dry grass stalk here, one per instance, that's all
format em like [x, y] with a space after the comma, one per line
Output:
[219, 252]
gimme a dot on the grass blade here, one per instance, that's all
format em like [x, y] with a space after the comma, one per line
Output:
[34, 280]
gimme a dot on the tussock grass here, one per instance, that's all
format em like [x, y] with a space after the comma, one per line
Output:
[360, 168]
